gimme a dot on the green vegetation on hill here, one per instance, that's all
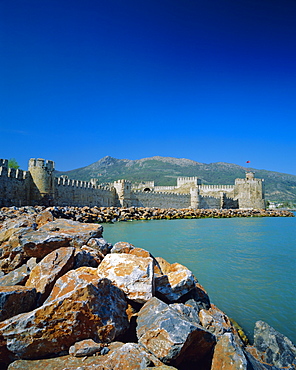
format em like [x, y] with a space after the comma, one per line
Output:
[165, 170]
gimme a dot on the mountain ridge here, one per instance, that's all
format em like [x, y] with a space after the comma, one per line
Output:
[165, 170]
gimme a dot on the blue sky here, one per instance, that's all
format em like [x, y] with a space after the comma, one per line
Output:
[210, 80]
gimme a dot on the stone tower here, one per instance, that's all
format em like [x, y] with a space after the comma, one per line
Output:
[123, 190]
[194, 198]
[249, 192]
[42, 185]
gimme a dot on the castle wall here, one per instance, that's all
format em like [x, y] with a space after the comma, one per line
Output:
[216, 190]
[187, 180]
[161, 200]
[14, 186]
[209, 202]
[164, 188]
[249, 192]
[38, 186]
[81, 193]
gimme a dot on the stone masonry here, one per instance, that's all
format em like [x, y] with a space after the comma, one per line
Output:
[39, 186]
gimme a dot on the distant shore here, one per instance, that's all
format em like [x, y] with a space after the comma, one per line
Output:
[114, 214]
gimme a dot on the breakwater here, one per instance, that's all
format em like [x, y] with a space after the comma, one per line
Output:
[71, 300]
[114, 214]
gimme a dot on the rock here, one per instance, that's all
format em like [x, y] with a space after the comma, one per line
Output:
[43, 217]
[122, 247]
[187, 311]
[216, 321]
[272, 347]
[67, 362]
[134, 275]
[86, 347]
[169, 336]
[131, 356]
[49, 269]
[161, 367]
[177, 281]
[18, 276]
[89, 311]
[87, 256]
[228, 355]
[100, 244]
[16, 299]
[72, 280]
[57, 234]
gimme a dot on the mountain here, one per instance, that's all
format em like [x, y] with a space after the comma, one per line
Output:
[165, 170]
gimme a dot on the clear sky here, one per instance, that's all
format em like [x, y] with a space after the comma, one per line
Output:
[208, 80]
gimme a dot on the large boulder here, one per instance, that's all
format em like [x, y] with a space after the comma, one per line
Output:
[271, 347]
[176, 282]
[228, 355]
[16, 299]
[19, 276]
[172, 338]
[131, 356]
[100, 244]
[120, 356]
[66, 362]
[49, 269]
[133, 274]
[89, 310]
[215, 320]
[57, 234]
[87, 256]
[86, 347]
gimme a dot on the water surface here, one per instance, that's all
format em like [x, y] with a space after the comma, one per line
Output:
[247, 265]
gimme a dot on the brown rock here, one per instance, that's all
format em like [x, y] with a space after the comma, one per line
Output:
[177, 281]
[43, 217]
[65, 362]
[228, 355]
[100, 244]
[46, 272]
[216, 321]
[87, 256]
[131, 356]
[122, 247]
[16, 299]
[19, 276]
[171, 337]
[72, 280]
[86, 347]
[57, 234]
[87, 311]
[134, 275]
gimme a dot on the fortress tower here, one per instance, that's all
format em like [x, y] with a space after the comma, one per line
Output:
[123, 190]
[194, 198]
[42, 185]
[249, 192]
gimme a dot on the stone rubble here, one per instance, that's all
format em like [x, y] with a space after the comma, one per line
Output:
[69, 300]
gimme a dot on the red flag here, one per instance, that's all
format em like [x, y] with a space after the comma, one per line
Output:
[248, 162]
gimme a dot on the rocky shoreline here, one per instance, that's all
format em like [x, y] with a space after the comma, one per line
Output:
[69, 300]
[114, 214]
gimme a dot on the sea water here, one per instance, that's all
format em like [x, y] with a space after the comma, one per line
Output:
[247, 265]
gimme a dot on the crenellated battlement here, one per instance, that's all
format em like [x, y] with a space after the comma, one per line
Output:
[17, 174]
[41, 163]
[39, 186]
[4, 163]
[160, 193]
[216, 187]
[187, 180]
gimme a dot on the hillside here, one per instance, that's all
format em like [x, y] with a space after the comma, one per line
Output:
[165, 170]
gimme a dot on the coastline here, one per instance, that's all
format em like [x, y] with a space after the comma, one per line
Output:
[114, 214]
[88, 304]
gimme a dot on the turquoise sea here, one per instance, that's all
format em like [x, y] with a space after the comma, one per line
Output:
[247, 265]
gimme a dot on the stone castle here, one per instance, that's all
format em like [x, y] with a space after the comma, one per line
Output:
[39, 186]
